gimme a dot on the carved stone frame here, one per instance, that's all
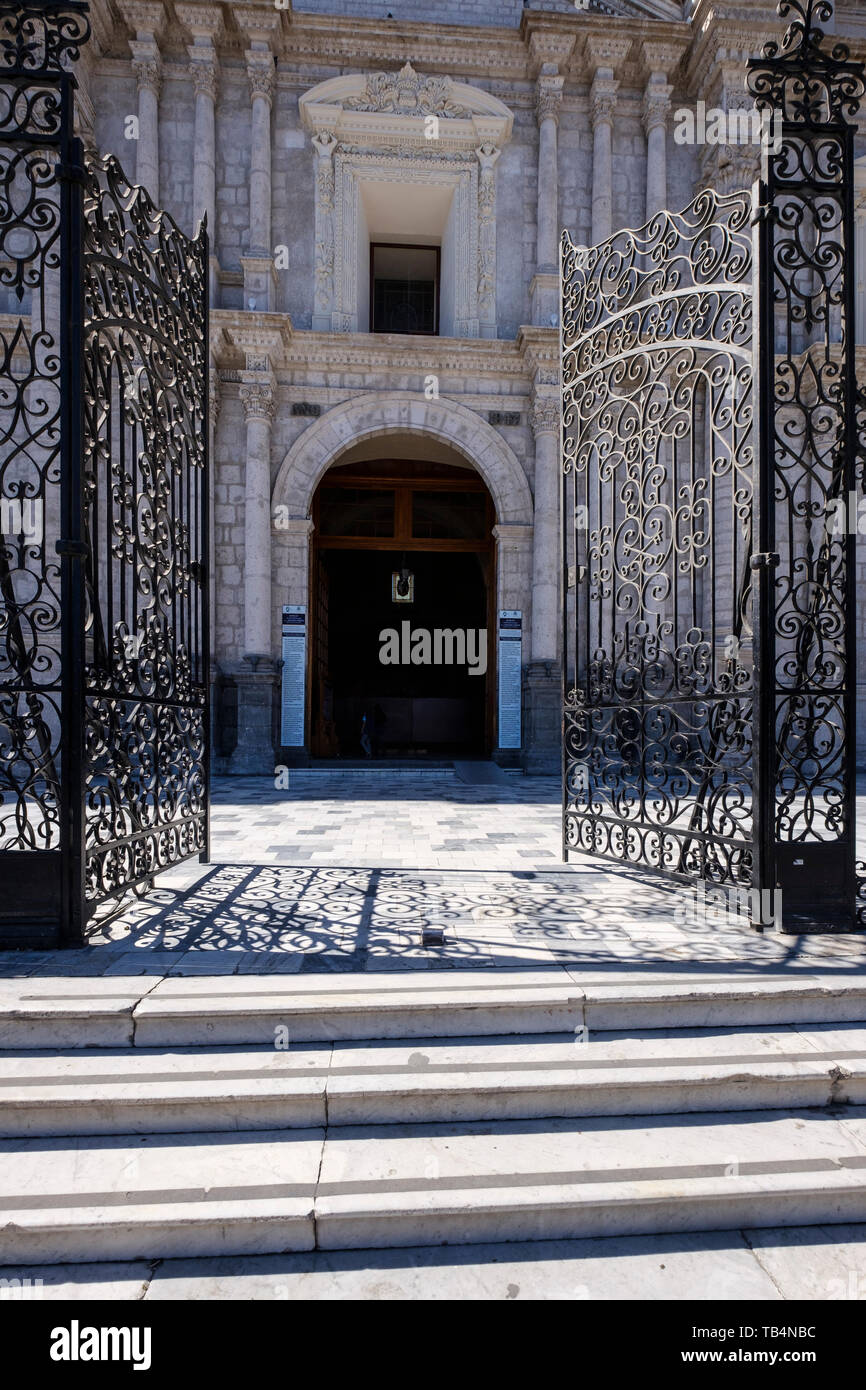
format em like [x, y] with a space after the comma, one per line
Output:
[350, 171]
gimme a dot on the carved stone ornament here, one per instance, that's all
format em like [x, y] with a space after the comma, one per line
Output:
[408, 93]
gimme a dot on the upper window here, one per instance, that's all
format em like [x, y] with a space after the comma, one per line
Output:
[404, 288]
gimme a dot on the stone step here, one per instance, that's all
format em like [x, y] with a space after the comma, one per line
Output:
[769, 1265]
[112, 1011]
[155, 1197]
[150, 1090]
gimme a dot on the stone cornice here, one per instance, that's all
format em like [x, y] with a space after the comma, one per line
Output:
[539, 349]
[143, 16]
[234, 330]
[204, 22]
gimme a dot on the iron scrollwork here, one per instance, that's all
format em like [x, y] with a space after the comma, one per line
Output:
[146, 384]
[657, 472]
[810, 450]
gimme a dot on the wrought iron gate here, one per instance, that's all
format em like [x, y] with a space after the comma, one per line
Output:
[709, 443]
[104, 730]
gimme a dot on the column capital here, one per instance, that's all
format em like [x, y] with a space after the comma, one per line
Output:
[602, 96]
[204, 71]
[548, 97]
[146, 64]
[260, 72]
[656, 104]
[544, 415]
[258, 395]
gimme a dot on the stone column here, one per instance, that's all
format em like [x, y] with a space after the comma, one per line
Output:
[203, 71]
[548, 100]
[544, 420]
[545, 284]
[146, 18]
[605, 55]
[324, 144]
[260, 71]
[487, 156]
[147, 67]
[656, 105]
[603, 101]
[257, 395]
[256, 676]
[659, 61]
[258, 263]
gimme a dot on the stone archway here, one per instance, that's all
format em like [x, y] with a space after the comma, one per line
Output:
[378, 416]
[402, 412]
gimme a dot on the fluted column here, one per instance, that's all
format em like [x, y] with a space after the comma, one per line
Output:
[544, 419]
[656, 105]
[257, 395]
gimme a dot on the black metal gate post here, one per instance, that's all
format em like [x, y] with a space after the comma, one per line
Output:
[805, 596]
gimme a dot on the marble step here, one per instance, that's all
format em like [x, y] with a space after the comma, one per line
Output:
[184, 1090]
[368, 1186]
[141, 1011]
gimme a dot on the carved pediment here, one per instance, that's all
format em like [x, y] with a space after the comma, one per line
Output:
[371, 108]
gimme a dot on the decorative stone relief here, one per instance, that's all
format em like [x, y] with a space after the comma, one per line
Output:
[408, 93]
[487, 157]
[324, 143]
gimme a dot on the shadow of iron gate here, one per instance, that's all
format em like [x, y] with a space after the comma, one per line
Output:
[104, 722]
[709, 461]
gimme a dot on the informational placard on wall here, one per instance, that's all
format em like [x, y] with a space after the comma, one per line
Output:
[294, 676]
[509, 666]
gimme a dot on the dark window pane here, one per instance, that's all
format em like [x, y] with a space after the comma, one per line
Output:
[449, 515]
[405, 289]
[349, 511]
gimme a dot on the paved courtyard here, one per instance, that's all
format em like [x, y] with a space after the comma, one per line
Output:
[343, 872]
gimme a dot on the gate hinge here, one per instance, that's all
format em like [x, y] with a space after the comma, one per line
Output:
[64, 547]
[766, 559]
[198, 572]
[576, 575]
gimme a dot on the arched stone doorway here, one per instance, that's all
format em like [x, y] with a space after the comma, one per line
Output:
[424, 447]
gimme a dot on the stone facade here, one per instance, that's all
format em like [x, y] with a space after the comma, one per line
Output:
[300, 131]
